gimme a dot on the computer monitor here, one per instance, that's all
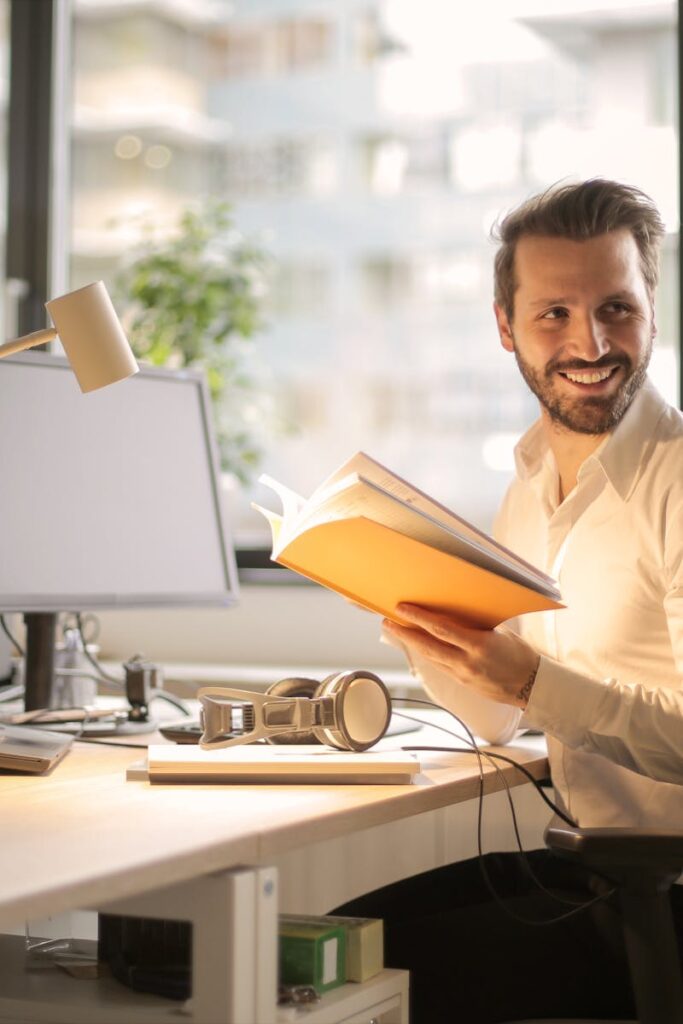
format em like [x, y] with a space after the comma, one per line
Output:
[109, 500]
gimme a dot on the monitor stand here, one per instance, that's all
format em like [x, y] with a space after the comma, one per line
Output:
[39, 669]
[39, 679]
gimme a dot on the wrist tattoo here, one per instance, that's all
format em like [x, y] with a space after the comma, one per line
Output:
[525, 691]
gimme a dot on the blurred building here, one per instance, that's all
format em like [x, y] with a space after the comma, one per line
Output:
[370, 146]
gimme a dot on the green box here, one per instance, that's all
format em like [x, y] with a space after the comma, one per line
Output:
[364, 942]
[312, 953]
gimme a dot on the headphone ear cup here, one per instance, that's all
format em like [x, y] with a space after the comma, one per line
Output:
[325, 684]
[328, 733]
[296, 686]
[360, 711]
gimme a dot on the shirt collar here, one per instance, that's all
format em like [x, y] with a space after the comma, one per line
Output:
[626, 451]
[620, 457]
[530, 452]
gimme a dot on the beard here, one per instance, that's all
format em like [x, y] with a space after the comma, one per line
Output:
[596, 414]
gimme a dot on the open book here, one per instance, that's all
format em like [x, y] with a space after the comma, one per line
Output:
[376, 539]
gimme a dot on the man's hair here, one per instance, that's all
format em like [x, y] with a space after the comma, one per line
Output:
[578, 211]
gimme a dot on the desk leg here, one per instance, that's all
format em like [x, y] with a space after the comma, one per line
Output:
[234, 947]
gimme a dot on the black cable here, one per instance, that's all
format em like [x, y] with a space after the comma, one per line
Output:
[489, 756]
[177, 702]
[501, 757]
[487, 753]
[577, 907]
[480, 807]
[473, 749]
[93, 661]
[9, 636]
[111, 743]
[520, 767]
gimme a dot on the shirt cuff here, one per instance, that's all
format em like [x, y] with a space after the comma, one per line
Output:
[563, 702]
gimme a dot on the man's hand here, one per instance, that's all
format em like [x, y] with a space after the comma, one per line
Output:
[499, 664]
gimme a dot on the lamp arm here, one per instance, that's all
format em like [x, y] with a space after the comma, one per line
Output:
[28, 341]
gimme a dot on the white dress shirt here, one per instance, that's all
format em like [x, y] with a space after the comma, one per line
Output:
[609, 689]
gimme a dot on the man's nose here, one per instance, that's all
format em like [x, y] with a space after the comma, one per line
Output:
[589, 338]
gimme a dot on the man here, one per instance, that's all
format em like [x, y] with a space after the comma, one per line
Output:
[598, 503]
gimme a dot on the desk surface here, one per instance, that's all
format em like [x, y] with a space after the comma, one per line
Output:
[83, 833]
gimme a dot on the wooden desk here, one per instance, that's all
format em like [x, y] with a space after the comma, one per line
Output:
[85, 838]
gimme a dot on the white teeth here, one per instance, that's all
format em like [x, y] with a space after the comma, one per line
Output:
[589, 378]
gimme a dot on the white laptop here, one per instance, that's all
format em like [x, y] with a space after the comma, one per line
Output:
[31, 750]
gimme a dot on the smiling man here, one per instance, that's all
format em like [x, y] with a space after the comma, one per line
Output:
[583, 328]
[597, 502]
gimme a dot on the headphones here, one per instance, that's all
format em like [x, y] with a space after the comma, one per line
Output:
[347, 710]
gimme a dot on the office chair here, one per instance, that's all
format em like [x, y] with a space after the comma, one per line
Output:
[643, 864]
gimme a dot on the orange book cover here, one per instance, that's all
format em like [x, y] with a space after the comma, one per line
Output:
[378, 567]
[377, 540]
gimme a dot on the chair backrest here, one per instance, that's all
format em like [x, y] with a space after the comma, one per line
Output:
[642, 864]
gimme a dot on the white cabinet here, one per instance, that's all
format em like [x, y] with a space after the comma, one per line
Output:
[234, 964]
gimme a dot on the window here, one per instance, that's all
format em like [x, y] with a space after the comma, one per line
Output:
[262, 47]
[370, 148]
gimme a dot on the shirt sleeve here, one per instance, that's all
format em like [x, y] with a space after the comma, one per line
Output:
[632, 725]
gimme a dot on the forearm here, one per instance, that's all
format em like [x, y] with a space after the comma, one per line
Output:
[631, 725]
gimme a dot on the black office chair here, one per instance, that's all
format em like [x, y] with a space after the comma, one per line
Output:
[643, 864]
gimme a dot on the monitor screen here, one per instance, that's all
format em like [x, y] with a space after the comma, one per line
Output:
[109, 499]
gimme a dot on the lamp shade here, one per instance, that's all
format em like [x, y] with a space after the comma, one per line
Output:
[92, 336]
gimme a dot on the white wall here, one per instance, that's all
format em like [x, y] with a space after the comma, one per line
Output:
[282, 624]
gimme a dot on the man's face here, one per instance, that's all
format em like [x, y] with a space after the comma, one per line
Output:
[582, 328]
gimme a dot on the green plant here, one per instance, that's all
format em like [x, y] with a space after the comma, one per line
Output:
[195, 299]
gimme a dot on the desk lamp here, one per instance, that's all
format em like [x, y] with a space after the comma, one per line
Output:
[99, 354]
[91, 334]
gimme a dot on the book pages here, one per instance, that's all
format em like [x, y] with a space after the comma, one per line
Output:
[376, 539]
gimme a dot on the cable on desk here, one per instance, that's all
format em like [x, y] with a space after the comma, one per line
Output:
[515, 764]
[577, 907]
[170, 698]
[110, 743]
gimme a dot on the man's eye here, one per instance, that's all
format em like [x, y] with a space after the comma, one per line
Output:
[617, 309]
[556, 313]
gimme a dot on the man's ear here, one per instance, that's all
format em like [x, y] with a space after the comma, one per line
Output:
[504, 328]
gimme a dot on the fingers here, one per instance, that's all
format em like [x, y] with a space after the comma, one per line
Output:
[498, 663]
[441, 625]
[426, 645]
